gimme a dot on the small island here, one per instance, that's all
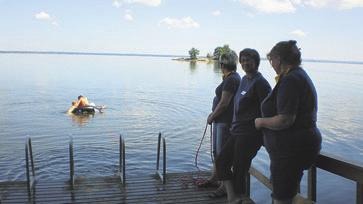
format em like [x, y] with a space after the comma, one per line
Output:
[193, 55]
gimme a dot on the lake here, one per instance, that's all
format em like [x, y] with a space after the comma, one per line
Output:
[145, 96]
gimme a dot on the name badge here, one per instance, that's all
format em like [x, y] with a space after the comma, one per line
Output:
[243, 93]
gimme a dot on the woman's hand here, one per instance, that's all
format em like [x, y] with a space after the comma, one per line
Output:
[210, 118]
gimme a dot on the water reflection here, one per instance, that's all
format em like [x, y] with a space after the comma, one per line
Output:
[81, 120]
[192, 66]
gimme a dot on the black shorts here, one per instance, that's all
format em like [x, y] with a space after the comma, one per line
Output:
[286, 173]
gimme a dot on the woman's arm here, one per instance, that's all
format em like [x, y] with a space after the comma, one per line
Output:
[221, 106]
[278, 122]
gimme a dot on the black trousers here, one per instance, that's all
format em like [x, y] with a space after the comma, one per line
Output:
[238, 153]
[286, 172]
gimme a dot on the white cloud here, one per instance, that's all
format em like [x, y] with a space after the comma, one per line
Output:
[183, 23]
[349, 4]
[290, 6]
[42, 16]
[116, 3]
[144, 2]
[298, 33]
[216, 13]
[270, 6]
[340, 4]
[128, 15]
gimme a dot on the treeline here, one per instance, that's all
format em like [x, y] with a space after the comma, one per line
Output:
[218, 51]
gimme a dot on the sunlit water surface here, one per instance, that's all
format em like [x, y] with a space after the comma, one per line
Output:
[145, 96]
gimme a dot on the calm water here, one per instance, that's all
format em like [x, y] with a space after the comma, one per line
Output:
[146, 95]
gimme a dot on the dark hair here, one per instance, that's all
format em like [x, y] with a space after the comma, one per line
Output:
[252, 53]
[79, 97]
[288, 52]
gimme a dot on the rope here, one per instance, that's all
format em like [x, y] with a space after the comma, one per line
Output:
[185, 180]
[200, 145]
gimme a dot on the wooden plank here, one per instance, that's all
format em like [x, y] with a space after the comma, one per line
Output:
[179, 188]
[339, 166]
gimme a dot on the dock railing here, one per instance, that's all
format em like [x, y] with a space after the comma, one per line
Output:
[122, 162]
[330, 163]
[71, 163]
[31, 180]
[162, 176]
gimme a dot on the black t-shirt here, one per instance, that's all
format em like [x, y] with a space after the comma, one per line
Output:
[250, 94]
[229, 84]
[294, 94]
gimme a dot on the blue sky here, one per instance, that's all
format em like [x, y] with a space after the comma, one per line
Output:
[324, 29]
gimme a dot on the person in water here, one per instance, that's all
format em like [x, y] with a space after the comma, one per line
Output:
[71, 109]
[289, 112]
[222, 111]
[84, 103]
[244, 140]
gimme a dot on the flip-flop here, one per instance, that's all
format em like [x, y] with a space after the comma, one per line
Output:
[219, 193]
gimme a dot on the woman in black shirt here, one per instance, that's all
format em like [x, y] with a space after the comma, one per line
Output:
[289, 122]
[222, 109]
[244, 142]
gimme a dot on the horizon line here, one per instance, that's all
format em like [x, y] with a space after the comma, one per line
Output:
[148, 55]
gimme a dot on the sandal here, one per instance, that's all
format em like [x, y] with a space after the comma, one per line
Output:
[207, 184]
[219, 193]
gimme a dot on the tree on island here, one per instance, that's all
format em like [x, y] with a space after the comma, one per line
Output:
[193, 53]
[218, 51]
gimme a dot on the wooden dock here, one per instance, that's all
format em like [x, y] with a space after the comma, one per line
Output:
[179, 188]
[157, 188]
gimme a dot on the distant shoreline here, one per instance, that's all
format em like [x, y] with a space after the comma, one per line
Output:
[176, 57]
[199, 59]
[89, 53]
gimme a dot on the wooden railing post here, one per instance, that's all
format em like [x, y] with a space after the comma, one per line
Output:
[248, 184]
[359, 199]
[312, 183]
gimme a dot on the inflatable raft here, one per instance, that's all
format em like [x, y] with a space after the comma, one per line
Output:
[84, 110]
